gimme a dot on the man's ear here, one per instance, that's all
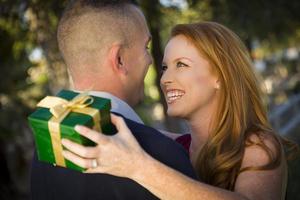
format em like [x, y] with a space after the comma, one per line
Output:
[116, 58]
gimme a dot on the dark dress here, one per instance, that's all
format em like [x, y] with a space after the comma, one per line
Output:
[185, 141]
[53, 183]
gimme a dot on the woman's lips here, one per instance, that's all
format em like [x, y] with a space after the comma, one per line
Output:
[173, 95]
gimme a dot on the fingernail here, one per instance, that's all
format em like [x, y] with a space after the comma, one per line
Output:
[77, 128]
[63, 141]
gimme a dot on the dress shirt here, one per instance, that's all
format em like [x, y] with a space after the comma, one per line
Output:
[118, 106]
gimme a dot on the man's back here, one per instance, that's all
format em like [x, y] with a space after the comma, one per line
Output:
[48, 182]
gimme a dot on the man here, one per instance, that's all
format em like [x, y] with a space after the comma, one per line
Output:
[104, 45]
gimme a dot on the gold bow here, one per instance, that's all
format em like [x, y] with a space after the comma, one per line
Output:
[60, 108]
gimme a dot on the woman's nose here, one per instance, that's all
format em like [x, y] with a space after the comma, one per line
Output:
[166, 78]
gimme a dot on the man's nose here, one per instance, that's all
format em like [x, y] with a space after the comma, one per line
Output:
[150, 60]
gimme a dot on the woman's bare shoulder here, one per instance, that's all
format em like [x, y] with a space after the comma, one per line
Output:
[268, 182]
[261, 149]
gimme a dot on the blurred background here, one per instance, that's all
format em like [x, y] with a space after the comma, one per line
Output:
[31, 67]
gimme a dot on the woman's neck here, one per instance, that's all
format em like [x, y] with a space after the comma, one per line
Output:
[199, 134]
[199, 123]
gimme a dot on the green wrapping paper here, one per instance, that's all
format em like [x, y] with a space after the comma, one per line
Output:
[44, 137]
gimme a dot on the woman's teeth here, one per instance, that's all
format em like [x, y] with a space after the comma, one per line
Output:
[174, 95]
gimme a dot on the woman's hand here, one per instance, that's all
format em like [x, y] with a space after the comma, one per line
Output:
[119, 155]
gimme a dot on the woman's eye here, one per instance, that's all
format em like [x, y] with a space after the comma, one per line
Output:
[181, 64]
[164, 68]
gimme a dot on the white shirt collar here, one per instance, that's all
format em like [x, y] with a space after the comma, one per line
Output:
[119, 106]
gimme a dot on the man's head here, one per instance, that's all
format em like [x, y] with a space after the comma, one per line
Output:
[104, 45]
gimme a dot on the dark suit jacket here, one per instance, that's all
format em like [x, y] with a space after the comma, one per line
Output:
[53, 183]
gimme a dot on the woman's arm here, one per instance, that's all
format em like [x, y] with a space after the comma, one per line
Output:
[250, 185]
[168, 184]
[121, 155]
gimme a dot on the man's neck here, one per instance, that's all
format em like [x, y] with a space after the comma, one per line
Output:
[118, 105]
[100, 85]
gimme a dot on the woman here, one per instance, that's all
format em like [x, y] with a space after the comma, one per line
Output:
[208, 80]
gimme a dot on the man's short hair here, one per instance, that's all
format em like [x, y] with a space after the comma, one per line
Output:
[88, 26]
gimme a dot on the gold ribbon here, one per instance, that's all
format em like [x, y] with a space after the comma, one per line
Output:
[60, 108]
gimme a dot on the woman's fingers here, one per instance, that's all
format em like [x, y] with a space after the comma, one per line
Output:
[95, 170]
[119, 123]
[116, 153]
[124, 133]
[82, 162]
[83, 151]
[91, 134]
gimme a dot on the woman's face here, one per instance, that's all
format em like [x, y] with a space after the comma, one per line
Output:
[187, 82]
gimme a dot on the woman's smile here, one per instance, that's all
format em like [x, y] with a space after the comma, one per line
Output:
[172, 95]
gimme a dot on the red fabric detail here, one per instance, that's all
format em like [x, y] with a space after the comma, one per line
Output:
[185, 141]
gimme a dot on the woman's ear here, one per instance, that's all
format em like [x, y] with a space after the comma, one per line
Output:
[116, 57]
[217, 86]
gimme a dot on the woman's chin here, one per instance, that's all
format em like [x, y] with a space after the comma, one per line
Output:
[174, 113]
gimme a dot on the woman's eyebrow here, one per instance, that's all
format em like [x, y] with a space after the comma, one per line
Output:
[180, 58]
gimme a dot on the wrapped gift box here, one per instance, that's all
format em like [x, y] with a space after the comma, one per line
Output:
[56, 117]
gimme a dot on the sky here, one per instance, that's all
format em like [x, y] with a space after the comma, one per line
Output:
[178, 3]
